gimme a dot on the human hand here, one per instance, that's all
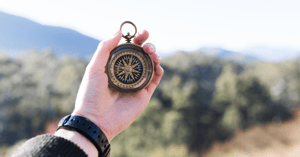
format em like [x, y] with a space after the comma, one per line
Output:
[110, 110]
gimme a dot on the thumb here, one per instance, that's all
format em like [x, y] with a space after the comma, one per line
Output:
[101, 55]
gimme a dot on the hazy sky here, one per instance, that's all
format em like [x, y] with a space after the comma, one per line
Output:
[175, 25]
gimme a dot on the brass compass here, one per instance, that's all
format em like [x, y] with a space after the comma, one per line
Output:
[129, 67]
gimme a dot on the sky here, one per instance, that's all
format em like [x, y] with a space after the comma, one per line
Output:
[175, 25]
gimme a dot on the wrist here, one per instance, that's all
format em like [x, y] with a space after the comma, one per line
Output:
[88, 130]
[100, 122]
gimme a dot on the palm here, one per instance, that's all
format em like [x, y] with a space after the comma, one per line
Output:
[111, 110]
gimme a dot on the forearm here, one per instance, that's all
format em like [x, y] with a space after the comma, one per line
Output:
[79, 140]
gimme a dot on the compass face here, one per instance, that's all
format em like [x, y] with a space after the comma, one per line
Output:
[130, 69]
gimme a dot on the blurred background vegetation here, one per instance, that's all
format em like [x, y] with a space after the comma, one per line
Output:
[201, 100]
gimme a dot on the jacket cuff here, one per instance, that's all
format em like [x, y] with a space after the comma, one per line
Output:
[49, 145]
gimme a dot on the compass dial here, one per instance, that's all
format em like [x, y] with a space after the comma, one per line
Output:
[128, 69]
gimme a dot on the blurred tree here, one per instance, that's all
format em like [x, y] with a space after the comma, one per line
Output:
[68, 78]
[144, 134]
[28, 88]
[242, 100]
[225, 89]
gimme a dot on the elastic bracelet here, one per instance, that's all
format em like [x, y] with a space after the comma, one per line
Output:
[89, 130]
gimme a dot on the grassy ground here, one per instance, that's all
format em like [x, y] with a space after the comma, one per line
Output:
[270, 140]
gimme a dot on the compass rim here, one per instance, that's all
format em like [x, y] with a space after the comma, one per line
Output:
[149, 66]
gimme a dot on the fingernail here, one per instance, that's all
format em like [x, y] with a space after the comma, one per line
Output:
[158, 57]
[152, 47]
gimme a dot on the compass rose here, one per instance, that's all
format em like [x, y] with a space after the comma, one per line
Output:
[128, 69]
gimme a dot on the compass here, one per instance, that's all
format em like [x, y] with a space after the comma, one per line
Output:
[129, 67]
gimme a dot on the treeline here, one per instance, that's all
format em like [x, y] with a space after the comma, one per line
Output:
[200, 100]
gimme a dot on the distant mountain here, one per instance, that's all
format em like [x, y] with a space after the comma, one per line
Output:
[20, 35]
[252, 55]
[228, 55]
[272, 54]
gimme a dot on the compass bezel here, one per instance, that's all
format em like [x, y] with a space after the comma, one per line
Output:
[137, 51]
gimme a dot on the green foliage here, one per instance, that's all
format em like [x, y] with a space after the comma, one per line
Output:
[225, 89]
[3, 149]
[231, 118]
[242, 101]
[143, 135]
[9, 151]
[200, 99]
[34, 90]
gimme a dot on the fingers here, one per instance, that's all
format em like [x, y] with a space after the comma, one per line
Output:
[141, 37]
[101, 55]
[156, 78]
[110, 44]
[150, 49]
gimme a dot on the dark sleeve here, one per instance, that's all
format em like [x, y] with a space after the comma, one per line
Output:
[48, 145]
